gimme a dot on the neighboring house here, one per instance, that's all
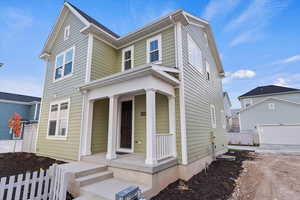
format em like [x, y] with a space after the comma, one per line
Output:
[269, 105]
[227, 111]
[26, 106]
[235, 126]
[153, 94]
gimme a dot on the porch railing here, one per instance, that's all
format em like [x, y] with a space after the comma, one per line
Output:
[164, 145]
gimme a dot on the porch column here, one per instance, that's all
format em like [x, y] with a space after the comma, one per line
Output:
[172, 123]
[150, 127]
[87, 127]
[112, 128]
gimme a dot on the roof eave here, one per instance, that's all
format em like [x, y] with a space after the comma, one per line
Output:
[130, 74]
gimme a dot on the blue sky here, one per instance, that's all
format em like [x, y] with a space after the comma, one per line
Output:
[258, 40]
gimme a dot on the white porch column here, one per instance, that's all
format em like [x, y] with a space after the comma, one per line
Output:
[87, 127]
[150, 127]
[172, 123]
[112, 128]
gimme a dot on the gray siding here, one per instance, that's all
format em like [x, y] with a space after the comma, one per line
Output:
[289, 97]
[62, 89]
[199, 94]
[284, 113]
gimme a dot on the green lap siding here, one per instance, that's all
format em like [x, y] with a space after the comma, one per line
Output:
[107, 60]
[104, 60]
[64, 89]
[140, 124]
[199, 94]
[162, 114]
[100, 126]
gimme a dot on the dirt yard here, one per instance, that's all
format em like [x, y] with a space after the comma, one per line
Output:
[269, 177]
[251, 176]
[18, 163]
[217, 182]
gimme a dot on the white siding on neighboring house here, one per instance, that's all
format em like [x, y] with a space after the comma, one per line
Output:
[262, 113]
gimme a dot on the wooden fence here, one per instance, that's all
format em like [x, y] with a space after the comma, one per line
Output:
[39, 185]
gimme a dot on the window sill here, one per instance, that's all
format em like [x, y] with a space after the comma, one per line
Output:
[56, 137]
[67, 76]
[156, 62]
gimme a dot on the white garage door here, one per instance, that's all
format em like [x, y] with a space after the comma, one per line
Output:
[279, 136]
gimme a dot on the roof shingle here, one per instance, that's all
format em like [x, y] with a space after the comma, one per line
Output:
[268, 89]
[93, 21]
[18, 97]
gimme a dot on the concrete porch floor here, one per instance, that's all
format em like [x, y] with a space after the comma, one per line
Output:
[131, 161]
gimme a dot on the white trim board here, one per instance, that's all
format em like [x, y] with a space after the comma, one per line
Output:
[122, 99]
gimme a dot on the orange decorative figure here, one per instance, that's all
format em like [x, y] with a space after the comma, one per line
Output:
[15, 124]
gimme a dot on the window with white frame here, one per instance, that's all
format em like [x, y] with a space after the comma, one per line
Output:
[64, 64]
[213, 116]
[127, 58]
[271, 106]
[223, 119]
[207, 69]
[58, 119]
[195, 54]
[67, 32]
[154, 49]
[247, 103]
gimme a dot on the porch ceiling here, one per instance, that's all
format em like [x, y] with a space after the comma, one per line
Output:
[136, 79]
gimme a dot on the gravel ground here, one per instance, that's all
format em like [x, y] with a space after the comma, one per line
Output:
[269, 177]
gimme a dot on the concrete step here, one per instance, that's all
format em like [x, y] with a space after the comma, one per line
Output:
[90, 171]
[93, 178]
[107, 189]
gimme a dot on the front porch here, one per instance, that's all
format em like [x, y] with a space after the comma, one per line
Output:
[129, 120]
[132, 161]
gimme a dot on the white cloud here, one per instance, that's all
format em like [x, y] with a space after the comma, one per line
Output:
[243, 73]
[250, 24]
[21, 85]
[217, 7]
[281, 82]
[240, 74]
[242, 38]
[288, 60]
[16, 18]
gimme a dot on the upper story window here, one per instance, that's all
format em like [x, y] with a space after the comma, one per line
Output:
[67, 32]
[213, 116]
[207, 69]
[58, 119]
[195, 54]
[247, 102]
[271, 106]
[127, 58]
[154, 50]
[64, 64]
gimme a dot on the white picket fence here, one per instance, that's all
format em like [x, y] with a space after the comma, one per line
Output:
[39, 185]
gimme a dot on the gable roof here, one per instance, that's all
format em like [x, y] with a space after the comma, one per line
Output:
[93, 21]
[118, 42]
[267, 99]
[18, 97]
[268, 90]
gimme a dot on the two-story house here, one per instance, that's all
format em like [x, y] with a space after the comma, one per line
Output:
[146, 103]
[270, 104]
